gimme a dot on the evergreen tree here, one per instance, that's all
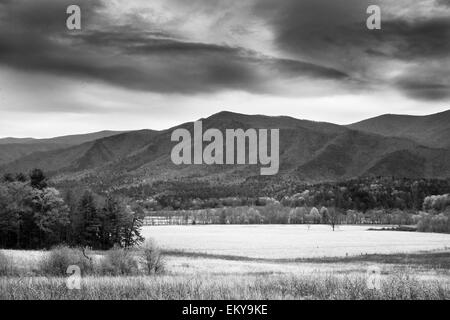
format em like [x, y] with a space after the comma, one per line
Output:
[88, 222]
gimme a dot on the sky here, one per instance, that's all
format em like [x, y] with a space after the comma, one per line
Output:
[154, 64]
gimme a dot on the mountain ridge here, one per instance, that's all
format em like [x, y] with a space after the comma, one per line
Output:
[430, 130]
[65, 139]
[15, 148]
[309, 150]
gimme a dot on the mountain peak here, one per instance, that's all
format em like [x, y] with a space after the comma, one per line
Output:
[226, 115]
[430, 130]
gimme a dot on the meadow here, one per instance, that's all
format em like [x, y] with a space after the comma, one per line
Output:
[292, 241]
[260, 262]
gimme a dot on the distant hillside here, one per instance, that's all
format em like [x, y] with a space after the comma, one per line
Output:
[432, 130]
[11, 152]
[14, 148]
[11, 140]
[309, 151]
[84, 156]
[70, 140]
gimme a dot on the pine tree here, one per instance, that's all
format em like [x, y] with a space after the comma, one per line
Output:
[89, 224]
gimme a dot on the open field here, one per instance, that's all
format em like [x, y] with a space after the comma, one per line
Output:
[261, 262]
[292, 241]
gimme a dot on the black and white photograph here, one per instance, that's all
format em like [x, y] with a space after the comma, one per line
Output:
[224, 150]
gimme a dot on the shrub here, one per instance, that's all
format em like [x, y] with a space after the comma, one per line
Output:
[6, 267]
[119, 261]
[152, 258]
[61, 257]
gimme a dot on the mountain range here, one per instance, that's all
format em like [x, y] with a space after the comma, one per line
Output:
[388, 145]
[15, 148]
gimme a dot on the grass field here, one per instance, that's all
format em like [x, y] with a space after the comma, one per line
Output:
[262, 262]
[292, 241]
[223, 287]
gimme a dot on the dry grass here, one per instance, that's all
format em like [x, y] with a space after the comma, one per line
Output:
[6, 266]
[263, 274]
[430, 259]
[223, 287]
[194, 277]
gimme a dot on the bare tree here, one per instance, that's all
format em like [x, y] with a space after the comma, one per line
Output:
[333, 217]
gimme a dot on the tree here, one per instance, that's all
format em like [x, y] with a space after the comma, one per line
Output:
[315, 215]
[324, 215]
[51, 216]
[120, 224]
[333, 217]
[223, 217]
[33, 216]
[8, 177]
[297, 215]
[38, 179]
[132, 224]
[253, 216]
[9, 220]
[88, 225]
[17, 228]
[21, 177]
[110, 221]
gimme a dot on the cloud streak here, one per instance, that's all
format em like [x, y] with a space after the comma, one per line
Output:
[138, 59]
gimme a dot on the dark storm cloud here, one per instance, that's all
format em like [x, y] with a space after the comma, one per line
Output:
[424, 44]
[415, 39]
[33, 38]
[309, 27]
[334, 33]
[444, 3]
[424, 90]
[149, 44]
[294, 68]
[335, 28]
[324, 40]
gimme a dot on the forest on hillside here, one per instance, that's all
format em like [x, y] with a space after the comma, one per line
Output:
[360, 194]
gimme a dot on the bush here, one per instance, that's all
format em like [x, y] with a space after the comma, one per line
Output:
[61, 257]
[6, 267]
[152, 258]
[118, 261]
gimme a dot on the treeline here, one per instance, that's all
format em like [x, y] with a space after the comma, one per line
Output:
[435, 216]
[276, 213]
[358, 194]
[370, 193]
[35, 215]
